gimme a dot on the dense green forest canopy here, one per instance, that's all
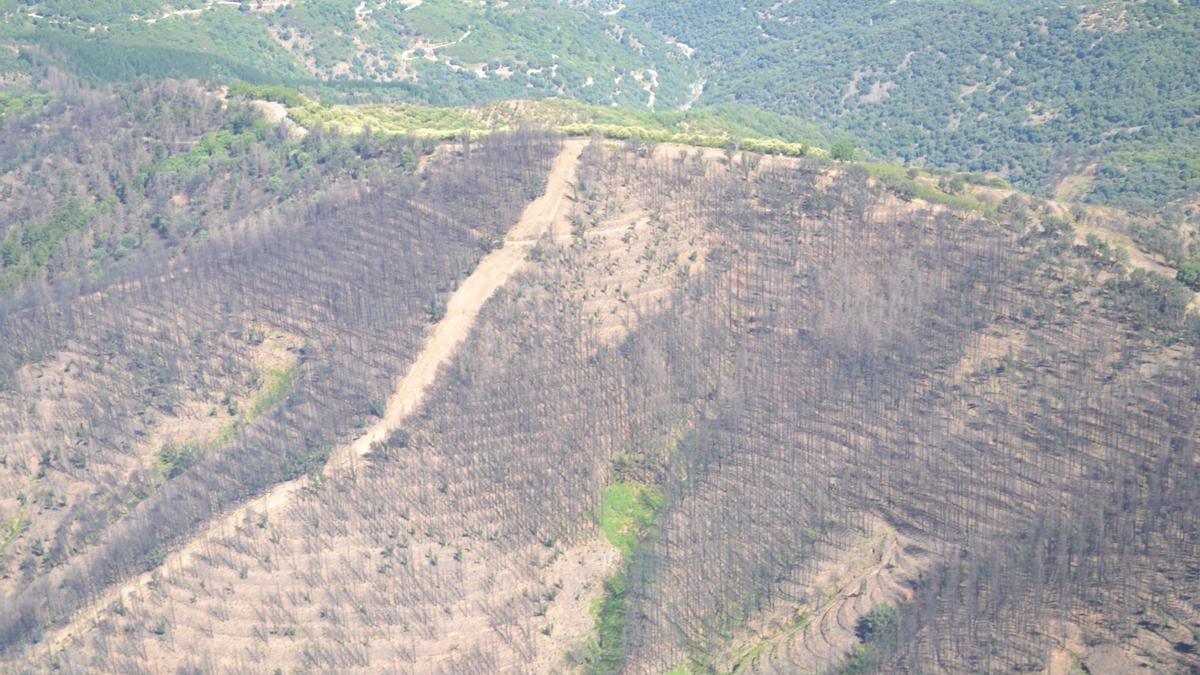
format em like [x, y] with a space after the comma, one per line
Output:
[1095, 100]
[1038, 90]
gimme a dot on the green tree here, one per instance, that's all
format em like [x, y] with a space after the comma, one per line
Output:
[1189, 274]
[842, 151]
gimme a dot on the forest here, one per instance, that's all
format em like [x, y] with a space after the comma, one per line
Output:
[638, 337]
[1038, 91]
[719, 412]
[1092, 101]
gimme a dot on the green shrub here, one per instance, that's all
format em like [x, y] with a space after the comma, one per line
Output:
[175, 458]
[1151, 301]
[842, 151]
[1189, 274]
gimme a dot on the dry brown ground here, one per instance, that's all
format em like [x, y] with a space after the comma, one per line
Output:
[62, 391]
[811, 636]
[617, 282]
[493, 271]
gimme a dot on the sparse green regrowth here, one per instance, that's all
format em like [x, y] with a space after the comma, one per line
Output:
[877, 634]
[1189, 274]
[627, 512]
[748, 655]
[610, 612]
[27, 247]
[908, 185]
[1154, 302]
[437, 308]
[175, 458]
[14, 527]
[309, 461]
[271, 385]
[276, 382]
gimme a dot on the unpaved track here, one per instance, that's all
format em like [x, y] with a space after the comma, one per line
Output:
[543, 215]
[496, 268]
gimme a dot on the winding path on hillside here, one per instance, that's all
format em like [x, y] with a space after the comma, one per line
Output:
[544, 215]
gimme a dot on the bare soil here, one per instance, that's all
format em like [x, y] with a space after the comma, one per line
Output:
[464, 306]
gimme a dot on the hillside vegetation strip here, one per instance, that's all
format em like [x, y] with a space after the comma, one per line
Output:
[628, 510]
[727, 126]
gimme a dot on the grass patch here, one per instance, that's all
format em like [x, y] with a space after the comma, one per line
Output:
[904, 182]
[14, 528]
[276, 382]
[627, 511]
[718, 127]
[610, 610]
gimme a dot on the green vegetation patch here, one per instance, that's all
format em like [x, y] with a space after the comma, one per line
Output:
[877, 633]
[175, 458]
[13, 528]
[1033, 90]
[610, 611]
[215, 149]
[268, 92]
[905, 183]
[1153, 302]
[725, 126]
[14, 104]
[271, 384]
[217, 42]
[1189, 274]
[27, 247]
[627, 512]
[276, 382]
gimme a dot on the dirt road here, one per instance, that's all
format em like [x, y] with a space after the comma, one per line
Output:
[543, 215]
[493, 271]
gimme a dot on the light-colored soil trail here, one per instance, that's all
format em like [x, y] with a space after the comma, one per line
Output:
[543, 215]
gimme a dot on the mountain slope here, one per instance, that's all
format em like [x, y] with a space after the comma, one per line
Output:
[1039, 91]
[801, 361]
[1096, 98]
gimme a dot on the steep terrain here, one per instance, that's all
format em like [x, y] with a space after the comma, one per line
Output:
[179, 347]
[598, 336]
[856, 429]
[1094, 99]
